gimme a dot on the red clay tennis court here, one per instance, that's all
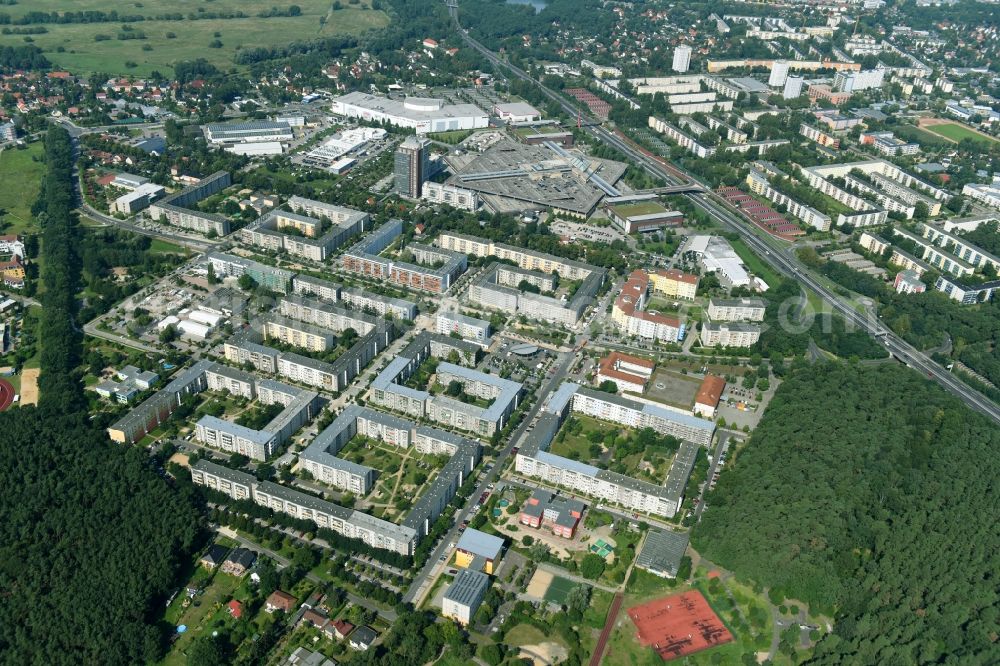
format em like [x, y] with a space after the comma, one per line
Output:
[679, 625]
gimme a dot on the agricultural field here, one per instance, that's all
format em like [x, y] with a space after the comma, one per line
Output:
[96, 47]
[21, 174]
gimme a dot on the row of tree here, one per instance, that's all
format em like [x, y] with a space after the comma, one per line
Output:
[91, 539]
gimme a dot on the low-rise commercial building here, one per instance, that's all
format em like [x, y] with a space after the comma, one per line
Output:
[561, 514]
[478, 551]
[420, 114]
[706, 401]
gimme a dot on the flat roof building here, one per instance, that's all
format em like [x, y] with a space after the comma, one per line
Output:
[421, 114]
[464, 596]
[478, 551]
[662, 552]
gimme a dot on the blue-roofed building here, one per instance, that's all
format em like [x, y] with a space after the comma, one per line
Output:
[478, 551]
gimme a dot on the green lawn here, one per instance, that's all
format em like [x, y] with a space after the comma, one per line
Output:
[21, 178]
[959, 132]
[158, 246]
[577, 446]
[83, 54]
[755, 263]
[198, 617]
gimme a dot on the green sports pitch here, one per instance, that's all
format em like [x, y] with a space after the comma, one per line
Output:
[558, 590]
[959, 132]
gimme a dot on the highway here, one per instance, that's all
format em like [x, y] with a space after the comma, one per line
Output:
[789, 266]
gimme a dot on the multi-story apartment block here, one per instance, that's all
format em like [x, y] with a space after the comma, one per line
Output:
[680, 138]
[873, 243]
[937, 257]
[157, 408]
[629, 315]
[533, 458]
[363, 259]
[674, 283]
[758, 179]
[269, 277]
[469, 328]
[297, 333]
[355, 297]
[729, 334]
[819, 136]
[326, 315]
[388, 389]
[736, 309]
[175, 208]
[966, 294]
[312, 238]
[223, 378]
[963, 249]
[352, 524]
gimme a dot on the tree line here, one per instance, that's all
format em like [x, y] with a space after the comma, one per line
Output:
[91, 539]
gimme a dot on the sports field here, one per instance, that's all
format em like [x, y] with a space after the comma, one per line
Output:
[679, 625]
[558, 589]
[957, 132]
[97, 47]
[640, 208]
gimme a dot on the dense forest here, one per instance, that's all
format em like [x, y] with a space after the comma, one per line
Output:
[867, 492]
[91, 539]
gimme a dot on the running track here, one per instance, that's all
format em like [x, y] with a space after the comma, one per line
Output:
[609, 625]
[6, 394]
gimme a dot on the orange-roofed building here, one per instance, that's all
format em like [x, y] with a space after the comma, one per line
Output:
[628, 313]
[706, 402]
[629, 373]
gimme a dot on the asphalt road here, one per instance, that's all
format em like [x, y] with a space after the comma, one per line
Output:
[196, 244]
[788, 266]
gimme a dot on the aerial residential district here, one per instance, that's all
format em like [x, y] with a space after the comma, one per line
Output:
[417, 332]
